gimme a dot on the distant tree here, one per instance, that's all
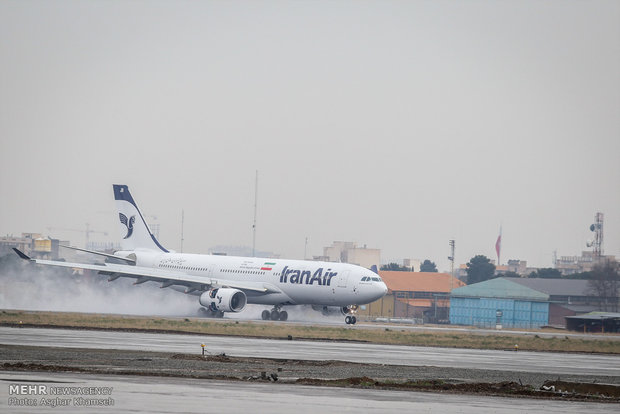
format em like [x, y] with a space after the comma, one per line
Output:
[479, 269]
[394, 267]
[546, 273]
[509, 273]
[428, 266]
[605, 283]
[579, 276]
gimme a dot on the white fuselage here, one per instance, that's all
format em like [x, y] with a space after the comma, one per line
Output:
[291, 282]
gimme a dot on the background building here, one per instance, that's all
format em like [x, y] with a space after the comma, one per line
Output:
[34, 245]
[569, 265]
[413, 264]
[23, 243]
[414, 295]
[524, 302]
[349, 252]
[478, 305]
[594, 322]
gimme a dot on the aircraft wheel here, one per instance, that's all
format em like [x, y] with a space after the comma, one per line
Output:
[347, 320]
[283, 315]
[275, 315]
[353, 320]
[266, 315]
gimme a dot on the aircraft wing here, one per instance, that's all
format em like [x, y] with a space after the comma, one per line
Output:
[145, 274]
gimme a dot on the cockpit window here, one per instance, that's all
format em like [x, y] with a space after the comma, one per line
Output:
[371, 279]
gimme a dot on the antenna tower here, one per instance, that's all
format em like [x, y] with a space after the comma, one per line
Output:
[451, 258]
[597, 228]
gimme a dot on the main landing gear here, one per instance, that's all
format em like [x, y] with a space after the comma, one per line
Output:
[275, 314]
[208, 313]
[350, 320]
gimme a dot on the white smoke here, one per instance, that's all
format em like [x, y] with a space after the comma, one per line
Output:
[27, 286]
[296, 313]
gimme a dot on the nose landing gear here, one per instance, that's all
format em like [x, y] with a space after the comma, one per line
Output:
[349, 312]
[275, 314]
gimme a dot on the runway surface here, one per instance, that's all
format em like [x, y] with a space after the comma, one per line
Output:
[546, 362]
[486, 331]
[338, 322]
[173, 395]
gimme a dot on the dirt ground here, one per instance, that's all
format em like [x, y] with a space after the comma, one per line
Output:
[326, 373]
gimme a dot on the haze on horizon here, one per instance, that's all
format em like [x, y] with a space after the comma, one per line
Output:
[399, 125]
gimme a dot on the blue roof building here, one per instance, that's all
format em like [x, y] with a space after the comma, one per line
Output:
[499, 301]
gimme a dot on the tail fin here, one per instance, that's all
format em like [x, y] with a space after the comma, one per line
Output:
[134, 230]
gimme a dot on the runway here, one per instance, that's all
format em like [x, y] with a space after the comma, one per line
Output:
[546, 362]
[486, 331]
[297, 319]
[173, 395]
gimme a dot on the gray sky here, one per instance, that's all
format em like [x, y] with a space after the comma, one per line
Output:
[399, 125]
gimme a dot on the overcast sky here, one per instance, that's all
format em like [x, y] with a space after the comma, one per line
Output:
[396, 124]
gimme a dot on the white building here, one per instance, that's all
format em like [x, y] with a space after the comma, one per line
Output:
[349, 252]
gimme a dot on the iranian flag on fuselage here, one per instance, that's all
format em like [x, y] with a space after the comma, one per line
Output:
[268, 266]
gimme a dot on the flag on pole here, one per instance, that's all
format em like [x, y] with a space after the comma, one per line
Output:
[498, 246]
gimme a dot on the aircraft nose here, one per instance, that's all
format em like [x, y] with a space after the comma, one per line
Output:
[379, 290]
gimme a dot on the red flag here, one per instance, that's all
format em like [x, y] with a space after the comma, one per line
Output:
[498, 246]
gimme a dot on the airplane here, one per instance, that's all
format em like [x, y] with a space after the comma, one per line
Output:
[227, 283]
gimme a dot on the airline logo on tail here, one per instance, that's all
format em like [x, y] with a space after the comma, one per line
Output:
[127, 223]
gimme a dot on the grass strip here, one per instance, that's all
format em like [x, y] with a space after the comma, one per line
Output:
[393, 335]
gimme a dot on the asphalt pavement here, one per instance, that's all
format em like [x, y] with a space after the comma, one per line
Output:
[173, 395]
[521, 361]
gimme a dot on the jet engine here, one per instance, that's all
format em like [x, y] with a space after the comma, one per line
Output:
[335, 310]
[224, 300]
[330, 310]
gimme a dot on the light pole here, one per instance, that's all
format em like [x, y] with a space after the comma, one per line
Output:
[451, 258]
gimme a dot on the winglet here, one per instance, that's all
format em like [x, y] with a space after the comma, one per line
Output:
[21, 254]
[374, 269]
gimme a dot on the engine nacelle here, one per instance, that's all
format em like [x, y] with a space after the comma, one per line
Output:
[224, 300]
[331, 310]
